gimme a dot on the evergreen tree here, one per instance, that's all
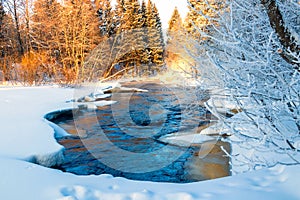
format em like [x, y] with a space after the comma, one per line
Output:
[175, 39]
[131, 14]
[105, 14]
[155, 38]
[126, 41]
[132, 34]
[138, 44]
[143, 27]
[175, 23]
[118, 17]
[201, 22]
[114, 47]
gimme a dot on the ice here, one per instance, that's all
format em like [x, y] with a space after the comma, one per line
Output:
[186, 139]
[25, 135]
[104, 103]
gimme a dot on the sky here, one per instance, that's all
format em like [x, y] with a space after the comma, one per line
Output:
[166, 8]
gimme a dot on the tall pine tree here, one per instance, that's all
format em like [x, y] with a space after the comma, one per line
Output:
[138, 45]
[155, 39]
[143, 49]
[175, 40]
[105, 14]
[118, 15]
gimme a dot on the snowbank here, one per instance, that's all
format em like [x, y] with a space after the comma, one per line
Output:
[24, 133]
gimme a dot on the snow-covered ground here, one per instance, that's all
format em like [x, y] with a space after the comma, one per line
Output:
[25, 134]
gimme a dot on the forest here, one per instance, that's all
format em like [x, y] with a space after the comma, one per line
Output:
[79, 40]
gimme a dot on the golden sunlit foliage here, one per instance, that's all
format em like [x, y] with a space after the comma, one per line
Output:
[67, 33]
[33, 68]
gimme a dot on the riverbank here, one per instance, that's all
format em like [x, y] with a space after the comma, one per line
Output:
[25, 133]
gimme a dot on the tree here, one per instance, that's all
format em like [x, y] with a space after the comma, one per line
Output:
[143, 39]
[203, 16]
[122, 52]
[155, 38]
[32, 68]
[201, 21]
[130, 49]
[135, 22]
[247, 51]
[79, 35]
[131, 45]
[45, 35]
[3, 41]
[175, 40]
[2, 16]
[8, 45]
[291, 49]
[105, 14]
[119, 11]
[14, 8]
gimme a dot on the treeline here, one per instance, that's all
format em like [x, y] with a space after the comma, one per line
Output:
[87, 40]
[79, 40]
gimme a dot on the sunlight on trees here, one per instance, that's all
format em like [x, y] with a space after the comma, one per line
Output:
[129, 36]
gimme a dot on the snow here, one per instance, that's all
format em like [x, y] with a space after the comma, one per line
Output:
[186, 139]
[26, 134]
[104, 103]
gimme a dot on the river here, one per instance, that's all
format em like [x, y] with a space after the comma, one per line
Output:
[124, 139]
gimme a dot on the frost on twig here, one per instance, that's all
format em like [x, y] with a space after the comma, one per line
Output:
[245, 52]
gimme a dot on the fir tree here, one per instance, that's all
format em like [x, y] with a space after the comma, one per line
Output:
[175, 23]
[129, 34]
[104, 12]
[143, 26]
[155, 38]
[118, 15]
[138, 44]
[175, 39]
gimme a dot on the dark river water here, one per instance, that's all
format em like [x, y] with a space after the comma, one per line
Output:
[123, 139]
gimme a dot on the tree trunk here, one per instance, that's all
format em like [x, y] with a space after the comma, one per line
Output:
[286, 38]
[19, 38]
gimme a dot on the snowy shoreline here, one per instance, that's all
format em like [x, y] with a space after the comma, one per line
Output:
[26, 133]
